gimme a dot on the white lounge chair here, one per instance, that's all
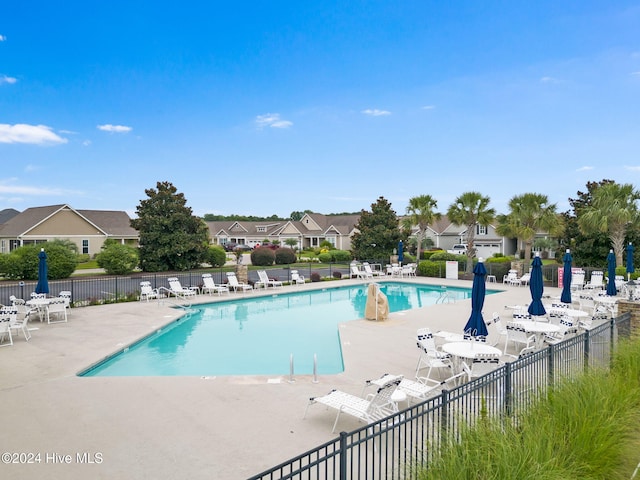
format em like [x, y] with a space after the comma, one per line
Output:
[511, 278]
[370, 272]
[176, 288]
[265, 281]
[236, 285]
[296, 278]
[418, 390]
[210, 287]
[147, 292]
[577, 280]
[357, 273]
[370, 409]
[596, 281]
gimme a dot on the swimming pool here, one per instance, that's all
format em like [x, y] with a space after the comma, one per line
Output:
[257, 336]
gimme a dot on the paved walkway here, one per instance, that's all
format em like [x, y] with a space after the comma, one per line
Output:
[185, 427]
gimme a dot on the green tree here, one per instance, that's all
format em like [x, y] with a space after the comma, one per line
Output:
[378, 232]
[420, 213]
[587, 249]
[612, 210]
[291, 242]
[529, 213]
[296, 215]
[171, 237]
[117, 258]
[471, 209]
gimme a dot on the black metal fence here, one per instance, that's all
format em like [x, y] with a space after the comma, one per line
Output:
[120, 288]
[398, 446]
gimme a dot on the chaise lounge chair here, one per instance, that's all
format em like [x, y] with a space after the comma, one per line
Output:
[296, 278]
[210, 287]
[176, 288]
[147, 292]
[370, 409]
[265, 281]
[236, 285]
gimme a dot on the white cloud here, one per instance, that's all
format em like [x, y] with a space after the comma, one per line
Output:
[428, 107]
[23, 133]
[114, 128]
[375, 112]
[9, 80]
[26, 190]
[2, 38]
[584, 169]
[86, 143]
[635, 74]
[272, 120]
[632, 168]
[549, 80]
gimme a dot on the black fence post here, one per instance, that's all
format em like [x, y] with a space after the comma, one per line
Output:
[343, 456]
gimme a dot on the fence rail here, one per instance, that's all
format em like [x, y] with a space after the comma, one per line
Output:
[398, 446]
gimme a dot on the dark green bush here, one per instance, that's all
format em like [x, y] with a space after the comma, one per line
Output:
[428, 268]
[408, 258]
[325, 257]
[340, 255]
[216, 256]
[498, 266]
[262, 257]
[315, 277]
[337, 275]
[285, 256]
[442, 255]
[117, 259]
[22, 263]
[426, 255]
[83, 257]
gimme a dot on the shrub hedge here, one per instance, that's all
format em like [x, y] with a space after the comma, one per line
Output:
[285, 256]
[263, 257]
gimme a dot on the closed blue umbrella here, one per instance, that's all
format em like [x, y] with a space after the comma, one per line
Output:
[43, 283]
[566, 278]
[611, 272]
[630, 268]
[476, 326]
[400, 252]
[536, 286]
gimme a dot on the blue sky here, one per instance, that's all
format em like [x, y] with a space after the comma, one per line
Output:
[264, 108]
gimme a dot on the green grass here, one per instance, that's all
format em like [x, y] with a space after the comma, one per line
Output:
[587, 428]
[87, 265]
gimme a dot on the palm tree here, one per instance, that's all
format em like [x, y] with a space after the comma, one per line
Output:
[612, 210]
[420, 213]
[471, 209]
[529, 214]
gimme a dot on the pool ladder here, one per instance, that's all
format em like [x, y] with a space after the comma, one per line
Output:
[315, 368]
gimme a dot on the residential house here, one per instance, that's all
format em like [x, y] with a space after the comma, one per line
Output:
[310, 231]
[88, 229]
[445, 234]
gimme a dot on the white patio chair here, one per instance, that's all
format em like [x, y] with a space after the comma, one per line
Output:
[176, 288]
[296, 278]
[210, 287]
[370, 272]
[482, 364]
[357, 273]
[519, 337]
[265, 281]
[6, 339]
[370, 409]
[236, 285]
[147, 292]
[66, 295]
[577, 280]
[56, 311]
[499, 329]
[20, 324]
[596, 282]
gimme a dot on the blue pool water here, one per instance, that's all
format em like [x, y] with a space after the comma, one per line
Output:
[256, 336]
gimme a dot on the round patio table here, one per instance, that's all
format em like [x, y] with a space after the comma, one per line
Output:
[539, 329]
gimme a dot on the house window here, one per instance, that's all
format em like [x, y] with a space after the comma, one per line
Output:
[481, 229]
[85, 246]
[13, 244]
[3, 246]
[261, 229]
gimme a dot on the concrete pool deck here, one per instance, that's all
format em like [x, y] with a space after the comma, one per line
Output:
[187, 427]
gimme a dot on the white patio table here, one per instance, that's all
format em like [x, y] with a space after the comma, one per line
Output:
[539, 329]
[467, 350]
